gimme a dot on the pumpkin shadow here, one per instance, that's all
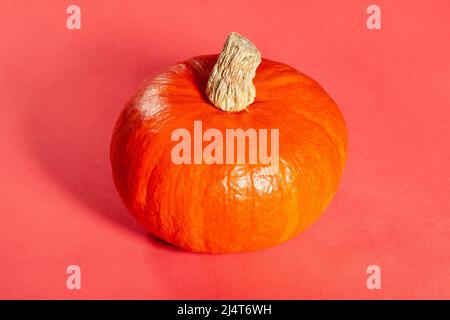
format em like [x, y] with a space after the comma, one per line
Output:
[68, 129]
[161, 244]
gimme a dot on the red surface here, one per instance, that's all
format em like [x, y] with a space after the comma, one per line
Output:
[61, 92]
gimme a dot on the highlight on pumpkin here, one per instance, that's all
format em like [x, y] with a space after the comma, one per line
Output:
[229, 152]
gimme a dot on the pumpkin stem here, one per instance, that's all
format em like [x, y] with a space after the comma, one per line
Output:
[230, 87]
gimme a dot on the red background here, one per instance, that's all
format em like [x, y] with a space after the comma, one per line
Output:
[61, 92]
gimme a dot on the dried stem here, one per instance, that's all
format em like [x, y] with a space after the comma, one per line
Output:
[230, 87]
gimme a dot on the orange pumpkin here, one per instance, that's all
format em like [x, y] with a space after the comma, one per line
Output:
[221, 208]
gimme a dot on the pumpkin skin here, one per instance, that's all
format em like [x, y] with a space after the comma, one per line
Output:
[223, 208]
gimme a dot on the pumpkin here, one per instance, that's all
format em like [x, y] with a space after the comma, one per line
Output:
[229, 207]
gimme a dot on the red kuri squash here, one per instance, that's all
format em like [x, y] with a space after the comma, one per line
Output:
[228, 207]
